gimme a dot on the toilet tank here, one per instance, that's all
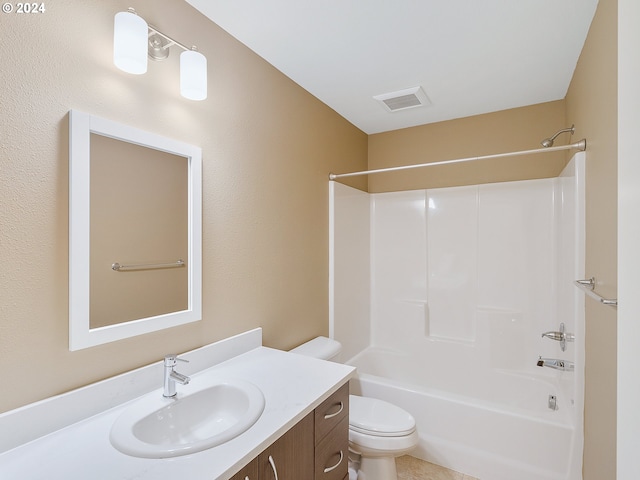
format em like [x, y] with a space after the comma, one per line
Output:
[320, 347]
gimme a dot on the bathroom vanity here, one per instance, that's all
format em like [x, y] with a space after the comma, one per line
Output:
[315, 448]
[302, 432]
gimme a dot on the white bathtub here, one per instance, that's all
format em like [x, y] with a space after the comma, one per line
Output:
[458, 284]
[494, 425]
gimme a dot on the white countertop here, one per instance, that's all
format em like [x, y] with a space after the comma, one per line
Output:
[292, 385]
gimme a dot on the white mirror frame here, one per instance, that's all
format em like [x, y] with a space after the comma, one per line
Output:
[81, 335]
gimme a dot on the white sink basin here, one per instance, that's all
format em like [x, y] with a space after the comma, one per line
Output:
[158, 427]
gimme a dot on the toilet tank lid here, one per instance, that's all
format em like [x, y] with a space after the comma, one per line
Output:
[320, 347]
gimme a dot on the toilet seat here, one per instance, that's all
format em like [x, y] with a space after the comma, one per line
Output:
[371, 416]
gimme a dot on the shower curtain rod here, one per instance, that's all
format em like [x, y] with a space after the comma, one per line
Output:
[581, 145]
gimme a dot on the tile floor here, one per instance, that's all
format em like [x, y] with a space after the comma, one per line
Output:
[410, 468]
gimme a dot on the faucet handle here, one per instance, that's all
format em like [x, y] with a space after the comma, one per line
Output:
[558, 336]
[171, 360]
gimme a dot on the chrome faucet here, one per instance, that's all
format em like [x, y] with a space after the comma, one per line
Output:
[171, 376]
[556, 363]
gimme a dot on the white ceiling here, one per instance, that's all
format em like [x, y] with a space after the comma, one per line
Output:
[469, 56]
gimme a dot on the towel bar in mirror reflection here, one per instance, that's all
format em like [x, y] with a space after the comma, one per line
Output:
[145, 266]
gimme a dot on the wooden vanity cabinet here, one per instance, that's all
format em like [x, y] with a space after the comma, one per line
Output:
[316, 448]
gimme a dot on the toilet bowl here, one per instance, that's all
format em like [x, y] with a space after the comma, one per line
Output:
[378, 431]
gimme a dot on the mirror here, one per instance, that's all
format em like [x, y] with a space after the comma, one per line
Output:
[135, 231]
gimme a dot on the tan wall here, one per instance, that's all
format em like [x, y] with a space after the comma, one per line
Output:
[506, 131]
[267, 149]
[592, 105]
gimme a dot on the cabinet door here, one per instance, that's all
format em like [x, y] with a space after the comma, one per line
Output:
[250, 472]
[291, 457]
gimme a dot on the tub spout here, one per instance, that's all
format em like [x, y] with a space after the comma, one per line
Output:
[555, 363]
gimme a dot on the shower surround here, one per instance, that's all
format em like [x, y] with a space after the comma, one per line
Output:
[440, 297]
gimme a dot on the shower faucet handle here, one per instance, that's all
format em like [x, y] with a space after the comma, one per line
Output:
[557, 336]
[560, 336]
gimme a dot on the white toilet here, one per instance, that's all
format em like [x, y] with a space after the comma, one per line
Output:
[378, 430]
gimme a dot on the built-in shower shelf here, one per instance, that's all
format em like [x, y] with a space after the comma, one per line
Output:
[588, 286]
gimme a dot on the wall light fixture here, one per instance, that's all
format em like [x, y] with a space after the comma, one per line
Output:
[134, 41]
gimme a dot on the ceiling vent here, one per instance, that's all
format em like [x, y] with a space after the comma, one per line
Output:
[403, 99]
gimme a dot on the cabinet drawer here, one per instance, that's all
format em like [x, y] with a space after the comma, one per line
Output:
[332, 453]
[331, 412]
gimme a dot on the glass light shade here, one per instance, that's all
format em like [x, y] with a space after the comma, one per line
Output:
[130, 43]
[193, 75]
